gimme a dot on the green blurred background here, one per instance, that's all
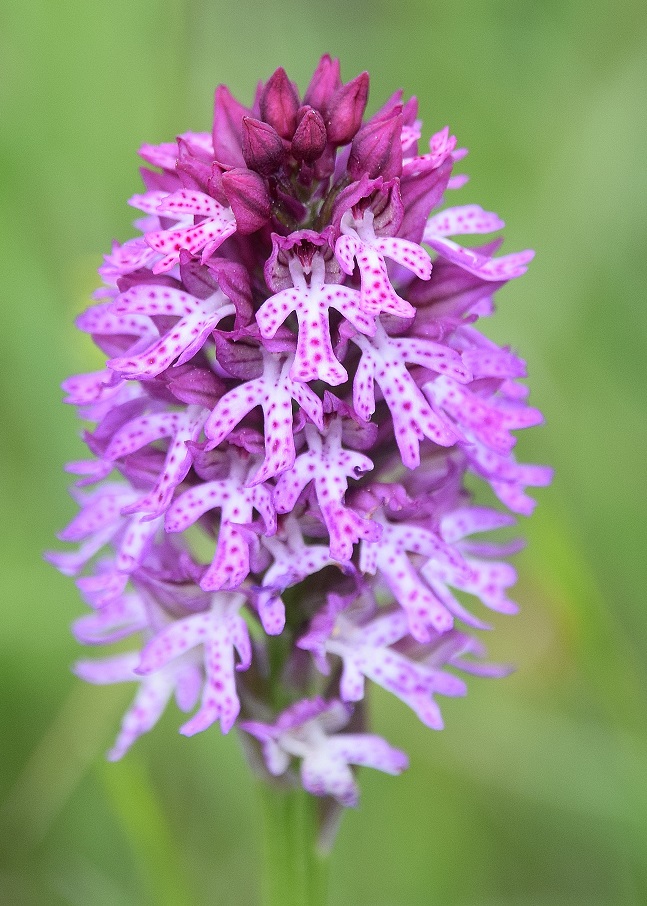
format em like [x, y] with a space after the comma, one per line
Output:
[536, 792]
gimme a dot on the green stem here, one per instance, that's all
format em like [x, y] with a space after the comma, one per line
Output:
[295, 872]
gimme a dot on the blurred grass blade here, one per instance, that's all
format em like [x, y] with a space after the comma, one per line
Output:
[137, 808]
[75, 738]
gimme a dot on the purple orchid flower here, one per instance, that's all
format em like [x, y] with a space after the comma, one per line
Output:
[295, 372]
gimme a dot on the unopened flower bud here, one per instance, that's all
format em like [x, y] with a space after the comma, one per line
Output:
[279, 103]
[324, 84]
[214, 183]
[310, 137]
[346, 109]
[193, 172]
[262, 146]
[248, 198]
[228, 116]
[377, 150]
[393, 105]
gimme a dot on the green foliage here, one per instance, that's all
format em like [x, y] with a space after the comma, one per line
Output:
[535, 793]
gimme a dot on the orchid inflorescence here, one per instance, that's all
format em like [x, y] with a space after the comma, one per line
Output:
[295, 390]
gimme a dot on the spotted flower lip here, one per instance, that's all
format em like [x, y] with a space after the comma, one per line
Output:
[296, 398]
[306, 731]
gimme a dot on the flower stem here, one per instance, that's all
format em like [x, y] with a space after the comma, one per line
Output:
[295, 871]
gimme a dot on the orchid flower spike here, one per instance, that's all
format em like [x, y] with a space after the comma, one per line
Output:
[295, 372]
